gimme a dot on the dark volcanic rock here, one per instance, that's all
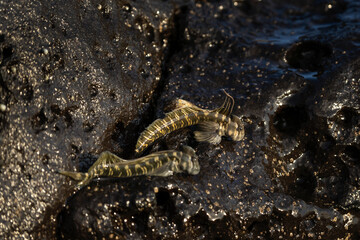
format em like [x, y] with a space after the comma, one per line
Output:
[91, 77]
[296, 173]
[72, 76]
[308, 55]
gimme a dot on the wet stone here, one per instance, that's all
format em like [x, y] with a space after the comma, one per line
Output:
[308, 55]
[288, 120]
[111, 68]
[68, 73]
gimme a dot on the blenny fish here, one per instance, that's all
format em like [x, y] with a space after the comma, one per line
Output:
[213, 123]
[163, 163]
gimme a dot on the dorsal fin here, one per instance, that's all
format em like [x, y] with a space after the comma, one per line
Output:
[226, 108]
[106, 158]
[181, 103]
[228, 105]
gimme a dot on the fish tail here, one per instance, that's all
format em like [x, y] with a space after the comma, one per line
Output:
[78, 176]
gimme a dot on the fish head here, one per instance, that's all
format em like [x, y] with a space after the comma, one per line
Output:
[188, 150]
[189, 161]
[235, 129]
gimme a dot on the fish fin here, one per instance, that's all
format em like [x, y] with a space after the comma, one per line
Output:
[226, 108]
[78, 176]
[228, 105]
[106, 158]
[208, 133]
[206, 136]
[181, 103]
[84, 182]
[208, 126]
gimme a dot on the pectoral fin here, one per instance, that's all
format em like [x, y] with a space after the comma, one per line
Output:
[211, 137]
[208, 132]
[208, 126]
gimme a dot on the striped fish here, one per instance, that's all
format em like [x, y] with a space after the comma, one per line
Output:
[213, 123]
[163, 163]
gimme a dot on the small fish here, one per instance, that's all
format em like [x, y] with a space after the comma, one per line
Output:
[213, 123]
[212, 131]
[163, 163]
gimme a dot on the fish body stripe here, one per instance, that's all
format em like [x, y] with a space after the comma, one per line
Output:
[173, 121]
[136, 167]
[162, 163]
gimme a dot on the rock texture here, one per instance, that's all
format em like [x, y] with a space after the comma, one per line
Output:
[80, 78]
[74, 76]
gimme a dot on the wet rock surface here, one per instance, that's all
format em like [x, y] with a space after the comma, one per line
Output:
[70, 74]
[83, 78]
